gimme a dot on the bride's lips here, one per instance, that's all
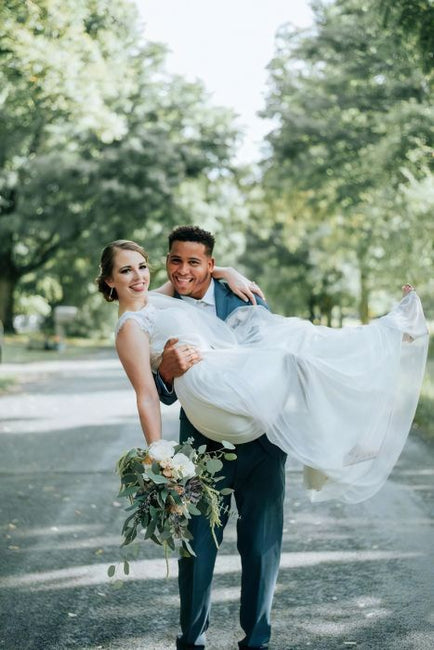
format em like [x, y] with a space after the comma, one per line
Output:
[138, 286]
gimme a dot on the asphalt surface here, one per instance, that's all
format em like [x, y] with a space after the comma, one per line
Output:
[351, 576]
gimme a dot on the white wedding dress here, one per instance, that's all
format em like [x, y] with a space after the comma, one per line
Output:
[341, 401]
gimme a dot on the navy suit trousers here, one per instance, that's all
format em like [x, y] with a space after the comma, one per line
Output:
[258, 480]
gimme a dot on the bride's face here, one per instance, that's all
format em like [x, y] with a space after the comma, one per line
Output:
[130, 275]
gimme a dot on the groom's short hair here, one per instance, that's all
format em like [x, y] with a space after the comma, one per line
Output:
[195, 234]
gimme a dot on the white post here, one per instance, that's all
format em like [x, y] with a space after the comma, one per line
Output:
[62, 316]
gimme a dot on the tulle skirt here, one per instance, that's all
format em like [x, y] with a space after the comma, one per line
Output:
[341, 401]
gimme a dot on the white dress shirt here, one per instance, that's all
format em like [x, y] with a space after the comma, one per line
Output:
[207, 302]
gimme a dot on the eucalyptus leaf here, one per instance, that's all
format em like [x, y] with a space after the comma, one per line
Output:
[189, 548]
[150, 529]
[128, 478]
[192, 509]
[156, 478]
[128, 491]
[214, 465]
[111, 570]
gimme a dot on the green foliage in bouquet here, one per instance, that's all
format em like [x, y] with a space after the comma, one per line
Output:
[167, 484]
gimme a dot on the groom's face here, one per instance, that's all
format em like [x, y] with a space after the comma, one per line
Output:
[189, 268]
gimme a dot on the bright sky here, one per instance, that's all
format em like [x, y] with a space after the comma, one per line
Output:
[227, 44]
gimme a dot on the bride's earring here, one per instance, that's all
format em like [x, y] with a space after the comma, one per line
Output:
[111, 294]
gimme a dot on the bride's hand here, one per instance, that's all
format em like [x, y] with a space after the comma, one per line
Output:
[238, 283]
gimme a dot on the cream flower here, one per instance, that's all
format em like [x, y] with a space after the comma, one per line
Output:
[162, 449]
[183, 466]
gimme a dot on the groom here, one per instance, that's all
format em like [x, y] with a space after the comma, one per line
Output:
[257, 476]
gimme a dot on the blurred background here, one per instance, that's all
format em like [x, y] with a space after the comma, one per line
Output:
[322, 192]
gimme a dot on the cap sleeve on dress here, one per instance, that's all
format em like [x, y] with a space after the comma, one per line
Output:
[144, 319]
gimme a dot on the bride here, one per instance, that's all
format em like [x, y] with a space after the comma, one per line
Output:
[341, 401]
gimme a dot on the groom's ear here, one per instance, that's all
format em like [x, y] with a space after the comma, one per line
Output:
[211, 264]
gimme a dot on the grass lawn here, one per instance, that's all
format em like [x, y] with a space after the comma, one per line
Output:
[5, 383]
[25, 349]
[424, 418]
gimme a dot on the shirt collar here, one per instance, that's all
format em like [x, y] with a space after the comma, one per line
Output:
[208, 298]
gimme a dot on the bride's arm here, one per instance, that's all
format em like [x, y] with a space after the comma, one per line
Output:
[238, 283]
[132, 345]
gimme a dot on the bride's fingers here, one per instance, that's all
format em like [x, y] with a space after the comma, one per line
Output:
[246, 294]
[191, 354]
[258, 291]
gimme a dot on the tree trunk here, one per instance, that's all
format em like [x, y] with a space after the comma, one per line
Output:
[364, 296]
[7, 292]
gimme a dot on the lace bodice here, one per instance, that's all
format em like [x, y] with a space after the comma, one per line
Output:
[146, 318]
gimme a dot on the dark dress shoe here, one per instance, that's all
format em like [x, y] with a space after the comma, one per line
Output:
[188, 646]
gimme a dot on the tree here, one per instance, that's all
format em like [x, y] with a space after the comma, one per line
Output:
[56, 87]
[354, 115]
[95, 137]
[415, 20]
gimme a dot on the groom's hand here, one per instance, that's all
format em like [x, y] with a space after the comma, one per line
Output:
[176, 360]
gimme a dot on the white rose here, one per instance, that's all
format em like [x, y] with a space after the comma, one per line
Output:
[162, 449]
[183, 466]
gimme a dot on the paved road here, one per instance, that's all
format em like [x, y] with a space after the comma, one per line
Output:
[351, 576]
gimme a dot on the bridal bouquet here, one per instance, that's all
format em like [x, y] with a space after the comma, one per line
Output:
[167, 484]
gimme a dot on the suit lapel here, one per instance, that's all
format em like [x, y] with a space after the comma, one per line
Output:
[221, 302]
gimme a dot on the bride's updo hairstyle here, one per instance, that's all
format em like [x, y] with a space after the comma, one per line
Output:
[107, 263]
